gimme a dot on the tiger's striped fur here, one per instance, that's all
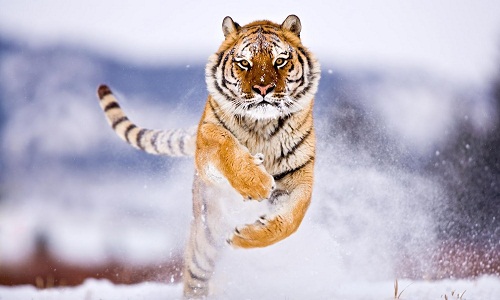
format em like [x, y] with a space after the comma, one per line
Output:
[256, 138]
[178, 142]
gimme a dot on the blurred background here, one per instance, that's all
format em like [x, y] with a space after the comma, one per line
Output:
[408, 172]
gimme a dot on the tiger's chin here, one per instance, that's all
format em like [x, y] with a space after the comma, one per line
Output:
[266, 111]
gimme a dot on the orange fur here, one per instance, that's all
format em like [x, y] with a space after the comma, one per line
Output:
[215, 145]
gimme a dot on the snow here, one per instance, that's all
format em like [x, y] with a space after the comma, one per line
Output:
[95, 289]
[485, 287]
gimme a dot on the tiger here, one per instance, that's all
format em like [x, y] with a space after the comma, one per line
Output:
[255, 141]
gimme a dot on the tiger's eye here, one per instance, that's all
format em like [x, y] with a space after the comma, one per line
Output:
[280, 62]
[244, 64]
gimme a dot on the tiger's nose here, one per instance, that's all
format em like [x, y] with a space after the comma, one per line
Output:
[263, 90]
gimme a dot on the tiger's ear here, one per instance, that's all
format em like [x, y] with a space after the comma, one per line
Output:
[292, 23]
[229, 26]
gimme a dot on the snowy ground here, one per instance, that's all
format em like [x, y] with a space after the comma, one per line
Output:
[484, 288]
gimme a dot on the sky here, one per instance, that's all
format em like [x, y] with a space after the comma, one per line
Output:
[459, 40]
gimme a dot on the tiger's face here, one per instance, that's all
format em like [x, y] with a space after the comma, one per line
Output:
[262, 71]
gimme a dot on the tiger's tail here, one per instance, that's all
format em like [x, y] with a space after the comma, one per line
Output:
[178, 142]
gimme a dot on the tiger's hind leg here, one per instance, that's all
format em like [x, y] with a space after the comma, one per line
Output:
[204, 243]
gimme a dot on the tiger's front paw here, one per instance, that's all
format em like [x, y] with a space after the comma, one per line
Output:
[262, 233]
[251, 179]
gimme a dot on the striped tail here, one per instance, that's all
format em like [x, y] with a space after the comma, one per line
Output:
[177, 142]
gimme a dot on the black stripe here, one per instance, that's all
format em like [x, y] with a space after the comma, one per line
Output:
[281, 123]
[301, 61]
[209, 260]
[282, 175]
[138, 140]
[245, 123]
[297, 145]
[275, 44]
[304, 52]
[276, 38]
[221, 91]
[196, 262]
[270, 32]
[181, 144]
[196, 277]
[235, 83]
[232, 76]
[311, 76]
[226, 59]
[305, 87]
[213, 75]
[208, 232]
[262, 29]
[252, 30]
[299, 71]
[304, 91]
[300, 79]
[246, 46]
[154, 141]
[221, 122]
[127, 131]
[111, 105]
[210, 236]
[224, 80]
[169, 141]
[219, 59]
[118, 122]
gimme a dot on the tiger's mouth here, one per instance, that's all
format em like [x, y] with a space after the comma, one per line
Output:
[262, 103]
[271, 106]
[266, 108]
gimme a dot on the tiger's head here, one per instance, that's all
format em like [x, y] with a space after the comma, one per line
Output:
[262, 71]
